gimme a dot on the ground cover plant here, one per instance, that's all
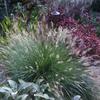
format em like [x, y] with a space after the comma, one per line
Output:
[24, 91]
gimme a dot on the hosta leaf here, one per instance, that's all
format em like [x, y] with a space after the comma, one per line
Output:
[12, 84]
[35, 87]
[6, 90]
[22, 97]
[25, 85]
[45, 96]
[3, 91]
[14, 94]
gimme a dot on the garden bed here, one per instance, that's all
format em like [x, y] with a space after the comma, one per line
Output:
[51, 52]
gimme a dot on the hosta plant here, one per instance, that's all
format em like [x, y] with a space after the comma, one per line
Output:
[31, 60]
[24, 91]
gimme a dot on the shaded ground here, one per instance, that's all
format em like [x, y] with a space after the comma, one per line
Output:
[94, 74]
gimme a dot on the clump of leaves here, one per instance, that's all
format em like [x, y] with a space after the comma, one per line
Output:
[21, 20]
[31, 60]
[24, 91]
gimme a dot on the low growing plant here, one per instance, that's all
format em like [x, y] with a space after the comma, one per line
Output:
[24, 91]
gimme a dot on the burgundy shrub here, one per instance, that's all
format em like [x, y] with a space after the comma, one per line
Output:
[86, 33]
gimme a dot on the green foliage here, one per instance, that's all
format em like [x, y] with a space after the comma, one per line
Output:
[30, 60]
[24, 91]
[27, 17]
[3, 40]
[6, 24]
[33, 19]
[21, 20]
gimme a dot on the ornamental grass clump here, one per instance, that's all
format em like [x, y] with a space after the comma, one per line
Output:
[32, 60]
[28, 59]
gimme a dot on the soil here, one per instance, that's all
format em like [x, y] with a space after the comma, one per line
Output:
[94, 74]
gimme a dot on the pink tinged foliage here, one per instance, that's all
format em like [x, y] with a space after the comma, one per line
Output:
[84, 35]
[87, 43]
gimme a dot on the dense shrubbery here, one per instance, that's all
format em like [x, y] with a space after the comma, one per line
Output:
[86, 36]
